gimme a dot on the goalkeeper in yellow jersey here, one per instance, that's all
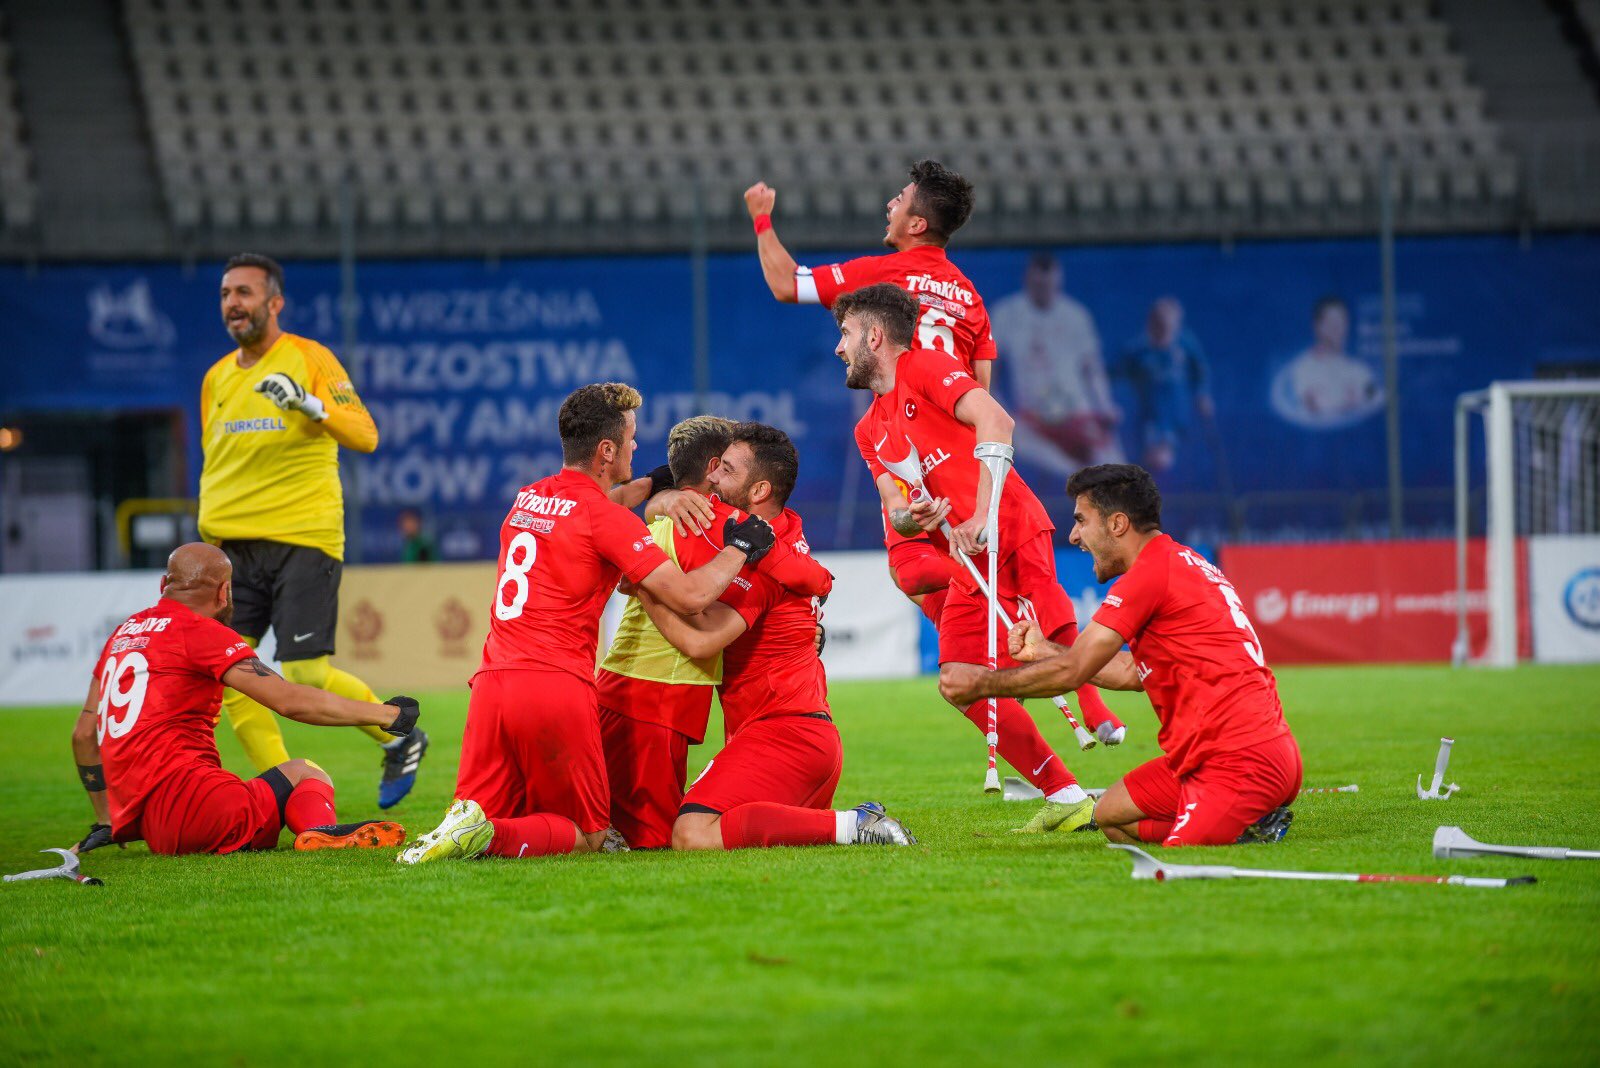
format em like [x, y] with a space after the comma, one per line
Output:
[273, 414]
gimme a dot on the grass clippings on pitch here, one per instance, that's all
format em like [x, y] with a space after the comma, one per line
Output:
[976, 947]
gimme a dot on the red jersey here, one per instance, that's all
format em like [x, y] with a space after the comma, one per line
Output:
[160, 678]
[954, 320]
[1196, 652]
[921, 409]
[772, 669]
[686, 707]
[563, 547]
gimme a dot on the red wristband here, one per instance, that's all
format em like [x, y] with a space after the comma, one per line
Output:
[763, 224]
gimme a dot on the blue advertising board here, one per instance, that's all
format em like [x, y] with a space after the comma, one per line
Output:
[1256, 365]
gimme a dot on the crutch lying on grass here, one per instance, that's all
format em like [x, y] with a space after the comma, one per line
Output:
[1147, 867]
[1452, 842]
[909, 471]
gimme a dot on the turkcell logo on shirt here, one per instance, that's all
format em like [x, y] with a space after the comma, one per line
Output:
[253, 426]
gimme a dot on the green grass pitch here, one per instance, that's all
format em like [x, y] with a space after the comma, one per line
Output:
[973, 948]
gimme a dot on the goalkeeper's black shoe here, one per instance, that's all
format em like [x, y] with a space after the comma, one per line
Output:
[1269, 828]
[400, 762]
[368, 834]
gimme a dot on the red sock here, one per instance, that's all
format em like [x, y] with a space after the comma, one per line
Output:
[1154, 830]
[310, 805]
[933, 604]
[1023, 747]
[1095, 709]
[538, 835]
[760, 824]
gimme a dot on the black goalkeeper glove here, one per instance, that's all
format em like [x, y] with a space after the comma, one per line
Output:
[750, 535]
[99, 835]
[661, 479]
[406, 721]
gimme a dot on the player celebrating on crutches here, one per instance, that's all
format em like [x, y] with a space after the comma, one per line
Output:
[924, 402]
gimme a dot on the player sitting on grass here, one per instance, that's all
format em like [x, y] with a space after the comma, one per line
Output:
[1229, 763]
[773, 781]
[655, 701]
[532, 780]
[146, 741]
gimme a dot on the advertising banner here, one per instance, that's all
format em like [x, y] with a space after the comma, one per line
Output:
[1358, 602]
[1564, 597]
[1235, 369]
[52, 627]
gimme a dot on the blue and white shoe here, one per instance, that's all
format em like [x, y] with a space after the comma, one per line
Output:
[1269, 828]
[400, 765]
[874, 826]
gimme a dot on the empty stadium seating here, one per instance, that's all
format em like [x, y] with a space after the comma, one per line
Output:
[434, 115]
[18, 195]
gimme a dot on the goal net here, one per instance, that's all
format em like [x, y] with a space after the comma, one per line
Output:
[1539, 514]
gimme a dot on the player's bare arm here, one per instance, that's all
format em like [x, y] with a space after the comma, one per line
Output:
[777, 266]
[699, 635]
[307, 704]
[86, 754]
[1094, 649]
[747, 541]
[979, 410]
[896, 507]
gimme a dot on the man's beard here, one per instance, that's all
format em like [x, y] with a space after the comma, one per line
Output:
[253, 331]
[225, 617]
[737, 496]
[858, 374]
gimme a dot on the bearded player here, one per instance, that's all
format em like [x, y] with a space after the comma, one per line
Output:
[532, 780]
[926, 401]
[655, 701]
[146, 743]
[773, 782]
[274, 414]
[951, 318]
[1229, 765]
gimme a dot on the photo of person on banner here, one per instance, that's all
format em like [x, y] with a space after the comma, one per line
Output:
[1326, 388]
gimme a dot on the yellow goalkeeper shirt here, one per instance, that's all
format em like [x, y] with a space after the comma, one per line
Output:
[639, 651]
[274, 474]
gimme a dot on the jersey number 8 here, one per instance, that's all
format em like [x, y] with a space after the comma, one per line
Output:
[112, 695]
[515, 575]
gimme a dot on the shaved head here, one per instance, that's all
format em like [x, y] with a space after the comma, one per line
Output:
[201, 577]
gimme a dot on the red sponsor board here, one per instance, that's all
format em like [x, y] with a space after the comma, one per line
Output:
[1363, 602]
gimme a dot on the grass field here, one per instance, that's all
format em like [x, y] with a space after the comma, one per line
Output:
[975, 947]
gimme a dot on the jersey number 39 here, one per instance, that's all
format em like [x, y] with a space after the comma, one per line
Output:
[113, 696]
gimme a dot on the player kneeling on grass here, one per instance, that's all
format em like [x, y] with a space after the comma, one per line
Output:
[1229, 764]
[146, 741]
[533, 778]
[773, 782]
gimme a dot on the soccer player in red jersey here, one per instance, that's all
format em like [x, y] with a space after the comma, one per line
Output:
[146, 743]
[773, 781]
[926, 400]
[1229, 765]
[532, 779]
[922, 217]
[655, 701]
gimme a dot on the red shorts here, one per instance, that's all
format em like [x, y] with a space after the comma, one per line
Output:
[1028, 589]
[919, 566]
[205, 809]
[1228, 792]
[532, 744]
[647, 766]
[789, 760]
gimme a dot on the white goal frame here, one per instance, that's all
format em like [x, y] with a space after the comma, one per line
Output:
[1496, 405]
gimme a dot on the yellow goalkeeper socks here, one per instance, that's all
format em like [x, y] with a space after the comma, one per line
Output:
[323, 675]
[256, 728]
